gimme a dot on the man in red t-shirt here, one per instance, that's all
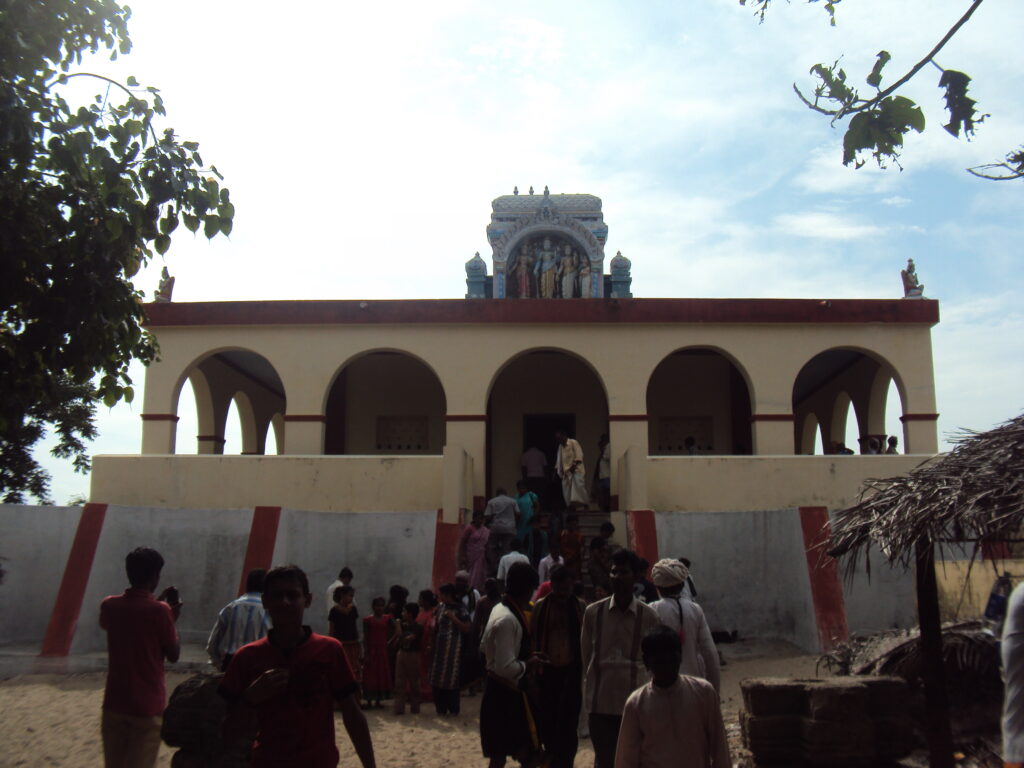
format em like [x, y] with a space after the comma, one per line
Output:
[291, 679]
[140, 635]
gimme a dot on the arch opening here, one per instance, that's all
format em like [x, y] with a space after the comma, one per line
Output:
[848, 391]
[385, 402]
[236, 380]
[533, 396]
[698, 402]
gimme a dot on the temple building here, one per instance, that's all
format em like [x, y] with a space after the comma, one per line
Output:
[370, 429]
[710, 404]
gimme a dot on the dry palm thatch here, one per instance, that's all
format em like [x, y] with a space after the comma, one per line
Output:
[974, 494]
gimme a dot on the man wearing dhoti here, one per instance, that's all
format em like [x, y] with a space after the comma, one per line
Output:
[570, 468]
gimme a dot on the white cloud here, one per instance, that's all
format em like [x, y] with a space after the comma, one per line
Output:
[825, 226]
[897, 201]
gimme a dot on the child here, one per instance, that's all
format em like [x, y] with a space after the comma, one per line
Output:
[291, 679]
[673, 714]
[344, 623]
[377, 630]
[571, 542]
[409, 634]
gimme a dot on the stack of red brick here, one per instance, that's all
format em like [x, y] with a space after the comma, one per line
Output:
[843, 721]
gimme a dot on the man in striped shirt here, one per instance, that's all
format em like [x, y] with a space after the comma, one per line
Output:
[243, 620]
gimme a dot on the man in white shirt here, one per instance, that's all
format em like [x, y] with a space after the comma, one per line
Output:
[513, 557]
[685, 617]
[500, 515]
[505, 712]
[553, 558]
[674, 721]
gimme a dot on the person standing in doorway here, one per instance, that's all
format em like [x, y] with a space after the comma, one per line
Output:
[534, 465]
[610, 654]
[572, 472]
[141, 633]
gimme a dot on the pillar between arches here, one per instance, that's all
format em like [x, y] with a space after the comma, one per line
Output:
[158, 432]
[627, 433]
[773, 434]
[469, 432]
[919, 433]
[303, 434]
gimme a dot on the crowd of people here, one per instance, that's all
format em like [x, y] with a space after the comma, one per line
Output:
[541, 653]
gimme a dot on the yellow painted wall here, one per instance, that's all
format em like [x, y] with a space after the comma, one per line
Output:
[320, 483]
[963, 590]
[692, 387]
[707, 483]
[390, 385]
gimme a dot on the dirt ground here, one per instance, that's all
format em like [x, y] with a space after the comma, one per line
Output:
[53, 720]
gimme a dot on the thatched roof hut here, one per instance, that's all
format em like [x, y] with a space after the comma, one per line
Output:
[974, 494]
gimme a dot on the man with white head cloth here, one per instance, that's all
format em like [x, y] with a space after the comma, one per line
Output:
[700, 657]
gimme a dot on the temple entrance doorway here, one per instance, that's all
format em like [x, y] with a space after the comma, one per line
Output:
[539, 431]
[532, 397]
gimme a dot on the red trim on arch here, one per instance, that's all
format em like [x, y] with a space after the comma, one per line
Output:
[919, 417]
[465, 417]
[771, 417]
[210, 438]
[68, 605]
[262, 537]
[551, 311]
[304, 417]
[628, 417]
[158, 416]
[826, 587]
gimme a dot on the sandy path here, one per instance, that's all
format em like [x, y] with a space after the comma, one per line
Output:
[53, 720]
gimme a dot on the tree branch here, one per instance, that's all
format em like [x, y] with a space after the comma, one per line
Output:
[122, 86]
[931, 54]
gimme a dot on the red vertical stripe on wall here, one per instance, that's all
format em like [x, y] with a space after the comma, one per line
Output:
[446, 552]
[826, 587]
[643, 533]
[262, 538]
[68, 605]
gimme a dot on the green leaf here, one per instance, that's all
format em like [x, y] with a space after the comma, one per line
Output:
[211, 226]
[225, 227]
[226, 211]
[162, 243]
[132, 82]
[191, 222]
[875, 78]
[903, 113]
[129, 394]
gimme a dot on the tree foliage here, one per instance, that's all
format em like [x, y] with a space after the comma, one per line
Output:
[879, 121]
[88, 194]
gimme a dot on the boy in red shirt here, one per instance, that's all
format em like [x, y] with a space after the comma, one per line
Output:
[291, 679]
[140, 635]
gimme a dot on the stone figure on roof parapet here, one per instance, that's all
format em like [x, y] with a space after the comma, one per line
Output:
[165, 288]
[912, 287]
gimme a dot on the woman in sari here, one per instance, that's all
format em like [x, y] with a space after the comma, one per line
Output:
[451, 628]
[473, 551]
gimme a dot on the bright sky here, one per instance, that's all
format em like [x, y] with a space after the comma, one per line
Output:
[363, 143]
